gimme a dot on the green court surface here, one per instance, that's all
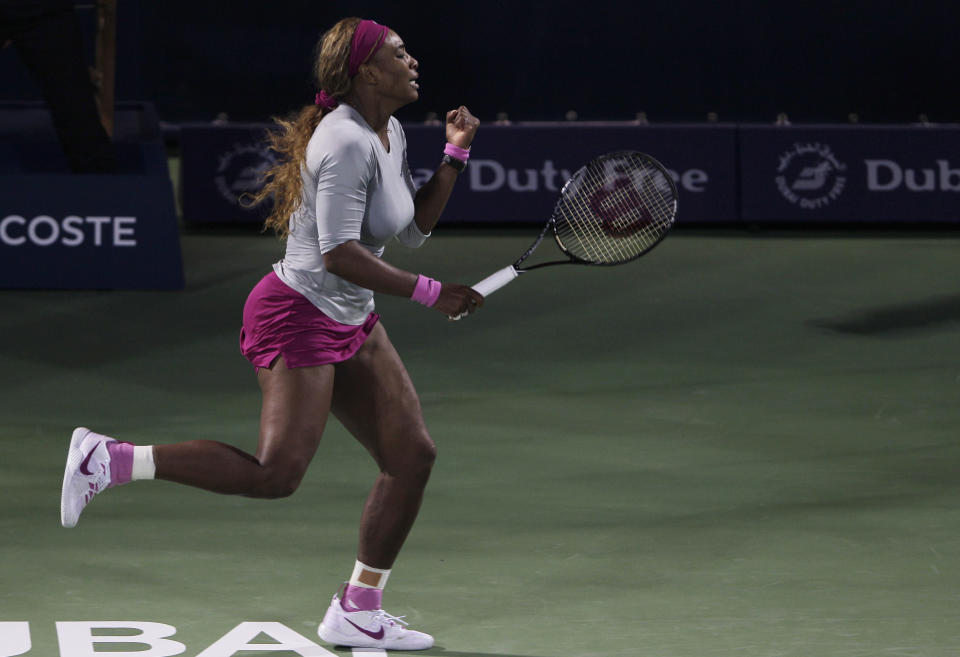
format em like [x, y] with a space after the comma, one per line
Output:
[738, 446]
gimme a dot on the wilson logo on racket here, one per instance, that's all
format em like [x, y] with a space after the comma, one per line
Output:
[620, 208]
[612, 210]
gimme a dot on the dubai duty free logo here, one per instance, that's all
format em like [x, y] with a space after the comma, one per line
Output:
[240, 171]
[810, 176]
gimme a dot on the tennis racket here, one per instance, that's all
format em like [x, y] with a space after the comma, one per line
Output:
[613, 210]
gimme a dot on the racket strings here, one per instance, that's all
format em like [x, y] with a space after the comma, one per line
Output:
[659, 214]
[647, 228]
[661, 211]
[666, 209]
[615, 210]
[652, 202]
[583, 223]
[576, 223]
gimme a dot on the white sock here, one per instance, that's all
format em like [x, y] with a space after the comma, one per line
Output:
[368, 577]
[143, 466]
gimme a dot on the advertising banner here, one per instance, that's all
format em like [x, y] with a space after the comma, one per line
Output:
[64, 231]
[850, 174]
[514, 175]
[218, 165]
[89, 232]
[516, 172]
[724, 173]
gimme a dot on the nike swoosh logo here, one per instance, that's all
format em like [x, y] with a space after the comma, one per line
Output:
[83, 466]
[376, 636]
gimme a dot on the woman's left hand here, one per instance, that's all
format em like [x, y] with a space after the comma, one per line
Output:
[461, 127]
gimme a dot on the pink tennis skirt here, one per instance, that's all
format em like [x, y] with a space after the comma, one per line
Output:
[279, 321]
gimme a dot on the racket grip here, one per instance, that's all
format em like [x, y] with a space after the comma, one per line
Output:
[492, 283]
[496, 280]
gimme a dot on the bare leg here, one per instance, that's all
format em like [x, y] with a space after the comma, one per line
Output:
[375, 400]
[296, 404]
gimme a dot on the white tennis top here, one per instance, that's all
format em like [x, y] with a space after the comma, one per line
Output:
[353, 189]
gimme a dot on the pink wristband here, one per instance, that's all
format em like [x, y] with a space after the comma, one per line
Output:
[457, 152]
[427, 291]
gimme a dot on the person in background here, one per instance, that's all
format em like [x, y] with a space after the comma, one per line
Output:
[46, 36]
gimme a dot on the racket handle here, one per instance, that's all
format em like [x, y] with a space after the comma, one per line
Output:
[496, 280]
[492, 283]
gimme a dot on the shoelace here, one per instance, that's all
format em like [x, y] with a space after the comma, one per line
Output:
[386, 618]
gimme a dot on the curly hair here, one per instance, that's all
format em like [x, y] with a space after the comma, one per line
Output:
[283, 181]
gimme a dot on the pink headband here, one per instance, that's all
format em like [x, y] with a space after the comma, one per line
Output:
[366, 40]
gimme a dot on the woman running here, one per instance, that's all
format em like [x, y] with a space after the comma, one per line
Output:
[341, 191]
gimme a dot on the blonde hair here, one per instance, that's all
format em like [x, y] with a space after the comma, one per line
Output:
[283, 181]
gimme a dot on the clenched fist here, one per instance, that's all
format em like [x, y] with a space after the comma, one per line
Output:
[461, 127]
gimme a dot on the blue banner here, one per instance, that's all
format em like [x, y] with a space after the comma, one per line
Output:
[724, 173]
[855, 174]
[514, 175]
[218, 165]
[516, 172]
[64, 231]
[89, 232]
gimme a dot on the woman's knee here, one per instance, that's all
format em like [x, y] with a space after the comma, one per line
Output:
[279, 480]
[427, 453]
[415, 458]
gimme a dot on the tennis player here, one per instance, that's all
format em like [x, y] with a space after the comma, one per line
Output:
[341, 191]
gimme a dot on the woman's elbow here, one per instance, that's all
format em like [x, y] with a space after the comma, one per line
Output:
[333, 260]
[337, 259]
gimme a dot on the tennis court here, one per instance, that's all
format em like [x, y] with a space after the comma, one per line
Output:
[741, 445]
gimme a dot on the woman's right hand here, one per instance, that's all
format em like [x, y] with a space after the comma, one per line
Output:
[456, 300]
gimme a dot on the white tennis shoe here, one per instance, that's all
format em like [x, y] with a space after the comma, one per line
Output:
[369, 629]
[87, 473]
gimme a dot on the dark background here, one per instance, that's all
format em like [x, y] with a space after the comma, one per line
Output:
[746, 60]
